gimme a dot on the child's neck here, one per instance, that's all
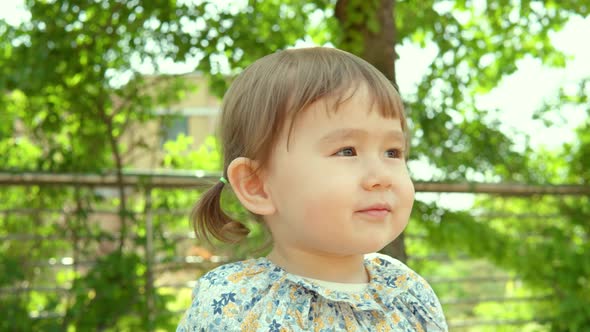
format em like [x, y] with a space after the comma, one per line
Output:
[344, 269]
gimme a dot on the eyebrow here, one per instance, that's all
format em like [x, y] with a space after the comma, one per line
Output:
[350, 133]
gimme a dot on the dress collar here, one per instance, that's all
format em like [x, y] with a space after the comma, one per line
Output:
[384, 286]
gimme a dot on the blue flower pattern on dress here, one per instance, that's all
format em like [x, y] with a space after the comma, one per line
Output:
[256, 295]
[274, 327]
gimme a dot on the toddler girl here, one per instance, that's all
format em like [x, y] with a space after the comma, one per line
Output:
[315, 145]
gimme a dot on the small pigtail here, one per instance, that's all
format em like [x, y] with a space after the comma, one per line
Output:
[209, 219]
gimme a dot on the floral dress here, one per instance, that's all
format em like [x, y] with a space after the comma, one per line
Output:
[257, 295]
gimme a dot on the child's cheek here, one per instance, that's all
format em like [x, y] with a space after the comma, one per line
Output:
[327, 207]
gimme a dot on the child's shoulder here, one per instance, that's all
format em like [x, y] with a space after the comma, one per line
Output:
[222, 295]
[237, 274]
[395, 281]
[386, 262]
[394, 273]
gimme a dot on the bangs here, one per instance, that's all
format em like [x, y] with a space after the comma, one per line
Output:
[387, 103]
[334, 77]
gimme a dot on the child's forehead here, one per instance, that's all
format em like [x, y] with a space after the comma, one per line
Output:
[334, 112]
[360, 97]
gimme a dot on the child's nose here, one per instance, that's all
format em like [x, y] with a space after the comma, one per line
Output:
[378, 177]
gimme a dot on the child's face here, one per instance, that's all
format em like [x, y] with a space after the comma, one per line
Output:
[342, 186]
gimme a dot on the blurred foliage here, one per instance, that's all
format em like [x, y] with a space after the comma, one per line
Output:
[70, 79]
[545, 240]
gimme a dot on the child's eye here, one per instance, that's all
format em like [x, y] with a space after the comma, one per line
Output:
[346, 152]
[394, 153]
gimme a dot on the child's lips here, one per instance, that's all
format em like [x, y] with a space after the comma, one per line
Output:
[376, 211]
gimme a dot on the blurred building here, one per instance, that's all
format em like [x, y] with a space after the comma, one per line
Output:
[194, 116]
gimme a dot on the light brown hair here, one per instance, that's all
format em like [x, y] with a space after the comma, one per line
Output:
[269, 94]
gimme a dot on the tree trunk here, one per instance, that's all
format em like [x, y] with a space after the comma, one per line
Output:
[376, 44]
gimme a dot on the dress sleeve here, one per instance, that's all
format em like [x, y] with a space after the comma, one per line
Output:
[418, 297]
[190, 320]
[216, 306]
[425, 304]
[434, 317]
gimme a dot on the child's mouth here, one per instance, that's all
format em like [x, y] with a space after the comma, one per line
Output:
[375, 213]
[376, 210]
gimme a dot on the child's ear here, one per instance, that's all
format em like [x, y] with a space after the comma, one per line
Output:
[248, 185]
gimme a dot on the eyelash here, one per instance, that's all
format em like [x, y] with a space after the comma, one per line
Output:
[398, 153]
